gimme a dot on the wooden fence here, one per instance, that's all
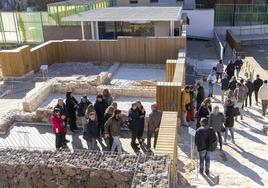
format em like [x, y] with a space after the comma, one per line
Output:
[143, 50]
[233, 41]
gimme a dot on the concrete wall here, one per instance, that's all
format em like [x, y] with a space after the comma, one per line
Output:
[65, 32]
[201, 23]
[243, 30]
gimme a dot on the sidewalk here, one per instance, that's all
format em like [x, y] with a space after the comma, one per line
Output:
[243, 164]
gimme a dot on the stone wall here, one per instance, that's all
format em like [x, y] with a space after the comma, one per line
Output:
[28, 169]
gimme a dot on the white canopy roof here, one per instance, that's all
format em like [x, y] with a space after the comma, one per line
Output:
[128, 14]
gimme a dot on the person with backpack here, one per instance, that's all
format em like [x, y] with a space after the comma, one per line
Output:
[82, 107]
[206, 142]
[232, 83]
[203, 111]
[216, 121]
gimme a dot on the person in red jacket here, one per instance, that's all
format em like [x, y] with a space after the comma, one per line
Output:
[58, 128]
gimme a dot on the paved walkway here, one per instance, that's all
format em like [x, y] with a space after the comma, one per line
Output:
[243, 164]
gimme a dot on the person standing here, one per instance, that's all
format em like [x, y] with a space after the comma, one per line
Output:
[229, 119]
[100, 107]
[91, 132]
[219, 69]
[142, 113]
[134, 123]
[211, 81]
[250, 87]
[90, 109]
[71, 107]
[153, 125]
[112, 128]
[230, 69]
[82, 107]
[63, 112]
[216, 120]
[191, 111]
[241, 95]
[204, 137]
[238, 64]
[263, 95]
[108, 114]
[203, 111]
[224, 87]
[200, 96]
[257, 85]
[232, 83]
[107, 97]
[185, 102]
[57, 128]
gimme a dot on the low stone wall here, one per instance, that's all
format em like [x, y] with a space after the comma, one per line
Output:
[28, 169]
[36, 96]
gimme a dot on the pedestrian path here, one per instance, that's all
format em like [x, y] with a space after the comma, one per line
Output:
[244, 164]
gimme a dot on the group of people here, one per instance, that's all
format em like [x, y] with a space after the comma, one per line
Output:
[103, 120]
[236, 94]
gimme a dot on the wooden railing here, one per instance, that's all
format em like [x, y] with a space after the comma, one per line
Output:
[169, 101]
[142, 50]
[233, 41]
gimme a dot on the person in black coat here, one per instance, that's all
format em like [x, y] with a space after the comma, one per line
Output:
[200, 96]
[108, 114]
[142, 113]
[238, 64]
[230, 69]
[100, 106]
[232, 84]
[134, 124]
[203, 139]
[250, 87]
[91, 132]
[63, 112]
[203, 111]
[229, 119]
[257, 85]
[71, 107]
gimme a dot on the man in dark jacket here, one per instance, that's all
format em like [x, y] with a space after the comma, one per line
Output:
[224, 86]
[142, 113]
[71, 107]
[257, 85]
[100, 107]
[134, 124]
[202, 141]
[63, 112]
[82, 107]
[250, 86]
[230, 70]
[153, 125]
[91, 132]
[112, 128]
[238, 64]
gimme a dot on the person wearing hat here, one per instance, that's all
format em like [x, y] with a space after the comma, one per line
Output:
[82, 107]
[134, 124]
[112, 128]
[100, 107]
[57, 128]
[153, 125]
[71, 107]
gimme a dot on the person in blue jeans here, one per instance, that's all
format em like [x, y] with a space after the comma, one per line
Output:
[201, 136]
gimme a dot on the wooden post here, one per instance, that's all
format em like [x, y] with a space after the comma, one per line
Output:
[168, 96]
[170, 69]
